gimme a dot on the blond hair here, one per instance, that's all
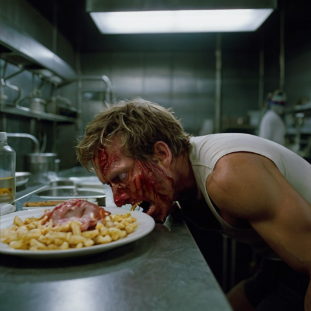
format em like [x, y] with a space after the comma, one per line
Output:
[140, 124]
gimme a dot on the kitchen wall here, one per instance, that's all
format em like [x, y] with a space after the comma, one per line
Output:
[184, 81]
[297, 53]
[297, 68]
[240, 88]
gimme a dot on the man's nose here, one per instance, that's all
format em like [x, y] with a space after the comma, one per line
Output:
[120, 196]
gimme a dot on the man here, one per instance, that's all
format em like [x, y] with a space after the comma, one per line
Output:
[254, 190]
[272, 126]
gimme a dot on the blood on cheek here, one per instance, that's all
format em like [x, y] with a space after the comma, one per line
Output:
[106, 158]
[151, 182]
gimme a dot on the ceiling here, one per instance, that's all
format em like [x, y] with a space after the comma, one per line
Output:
[77, 26]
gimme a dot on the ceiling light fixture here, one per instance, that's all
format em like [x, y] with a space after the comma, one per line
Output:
[182, 21]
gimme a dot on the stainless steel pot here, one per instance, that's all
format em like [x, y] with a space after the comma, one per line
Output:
[52, 106]
[37, 104]
[62, 106]
[41, 166]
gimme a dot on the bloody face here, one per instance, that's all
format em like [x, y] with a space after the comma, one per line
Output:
[133, 181]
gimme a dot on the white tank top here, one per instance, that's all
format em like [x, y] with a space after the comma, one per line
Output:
[207, 150]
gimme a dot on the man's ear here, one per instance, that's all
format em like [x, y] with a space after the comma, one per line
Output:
[162, 153]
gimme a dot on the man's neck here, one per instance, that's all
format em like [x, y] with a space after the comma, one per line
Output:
[185, 183]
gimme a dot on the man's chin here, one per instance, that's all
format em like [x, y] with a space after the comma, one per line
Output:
[158, 215]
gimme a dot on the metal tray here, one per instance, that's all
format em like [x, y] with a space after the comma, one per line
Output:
[69, 192]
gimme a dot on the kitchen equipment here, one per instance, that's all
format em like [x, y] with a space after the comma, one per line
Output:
[37, 104]
[25, 135]
[87, 182]
[71, 192]
[59, 182]
[67, 111]
[3, 97]
[7, 171]
[10, 57]
[21, 178]
[57, 165]
[52, 106]
[41, 166]
[62, 106]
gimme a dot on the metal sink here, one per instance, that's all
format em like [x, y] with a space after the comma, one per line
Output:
[71, 192]
[87, 182]
[61, 182]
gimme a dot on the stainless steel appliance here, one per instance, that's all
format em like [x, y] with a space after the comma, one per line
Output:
[41, 166]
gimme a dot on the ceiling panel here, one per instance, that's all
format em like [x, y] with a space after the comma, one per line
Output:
[72, 20]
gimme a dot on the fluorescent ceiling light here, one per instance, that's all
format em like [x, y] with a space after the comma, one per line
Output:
[180, 21]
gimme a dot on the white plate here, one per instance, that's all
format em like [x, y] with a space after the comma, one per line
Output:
[145, 226]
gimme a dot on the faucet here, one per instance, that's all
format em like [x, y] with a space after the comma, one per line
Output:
[24, 135]
[109, 99]
[110, 96]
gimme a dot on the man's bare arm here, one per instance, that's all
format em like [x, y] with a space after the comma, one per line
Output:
[246, 186]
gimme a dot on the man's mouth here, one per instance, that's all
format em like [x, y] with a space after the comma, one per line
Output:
[146, 206]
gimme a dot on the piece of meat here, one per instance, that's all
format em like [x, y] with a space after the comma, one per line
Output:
[88, 214]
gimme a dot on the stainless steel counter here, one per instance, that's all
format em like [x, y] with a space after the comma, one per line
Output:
[162, 271]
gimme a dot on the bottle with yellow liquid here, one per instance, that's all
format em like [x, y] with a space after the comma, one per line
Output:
[7, 171]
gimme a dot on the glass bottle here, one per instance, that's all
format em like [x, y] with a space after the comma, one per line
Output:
[7, 171]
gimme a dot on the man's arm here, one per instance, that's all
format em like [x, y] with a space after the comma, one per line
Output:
[246, 186]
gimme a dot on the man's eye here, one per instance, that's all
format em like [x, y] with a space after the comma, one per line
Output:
[122, 176]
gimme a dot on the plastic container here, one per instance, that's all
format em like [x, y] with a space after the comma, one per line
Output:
[7, 171]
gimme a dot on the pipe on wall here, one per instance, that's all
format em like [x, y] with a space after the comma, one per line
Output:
[109, 94]
[218, 84]
[282, 48]
[24, 135]
[261, 77]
